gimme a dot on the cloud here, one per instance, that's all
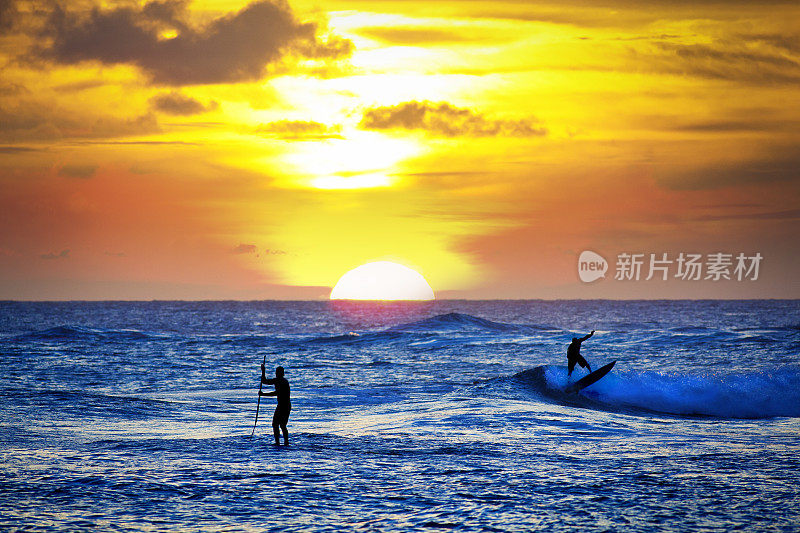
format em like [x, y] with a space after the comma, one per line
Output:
[18, 149]
[175, 103]
[299, 129]
[789, 214]
[77, 171]
[778, 165]
[8, 14]
[756, 124]
[790, 43]
[232, 48]
[79, 86]
[142, 143]
[245, 249]
[62, 255]
[420, 35]
[38, 120]
[12, 89]
[730, 59]
[445, 119]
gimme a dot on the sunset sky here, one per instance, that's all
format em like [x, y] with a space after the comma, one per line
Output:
[216, 149]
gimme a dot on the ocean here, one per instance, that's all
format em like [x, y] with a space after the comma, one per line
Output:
[446, 415]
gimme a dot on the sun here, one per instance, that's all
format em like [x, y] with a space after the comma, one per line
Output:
[382, 280]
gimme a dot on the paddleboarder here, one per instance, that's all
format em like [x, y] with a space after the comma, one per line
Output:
[574, 354]
[284, 407]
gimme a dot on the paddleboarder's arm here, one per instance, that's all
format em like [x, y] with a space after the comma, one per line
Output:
[587, 336]
[264, 379]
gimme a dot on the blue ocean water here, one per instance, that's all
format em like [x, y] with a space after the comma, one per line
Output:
[417, 416]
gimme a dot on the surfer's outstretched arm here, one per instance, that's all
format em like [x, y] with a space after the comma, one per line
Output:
[586, 337]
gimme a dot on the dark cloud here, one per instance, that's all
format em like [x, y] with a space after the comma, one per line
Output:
[18, 149]
[733, 60]
[78, 86]
[32, 120]
[245, 249]
[755, 125]
[175, 103]
[445, 119]
[8, 14]
[143, 143]
[62, 255]
[790, 43]
[781, 165]
[299, 129]
[235, 47]
[77, 171]
[789, 214]
[12, 89]
[620, 13]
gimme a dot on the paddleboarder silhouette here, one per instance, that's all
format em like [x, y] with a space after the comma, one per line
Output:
[574, 354]
[284, 407]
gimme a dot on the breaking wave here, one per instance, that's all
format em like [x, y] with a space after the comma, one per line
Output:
[759, 394]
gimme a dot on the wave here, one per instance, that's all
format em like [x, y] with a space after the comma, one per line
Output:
[85, 333]
[440, 329]
[451, 322]
[90, 404]
[356, 338]
[759, 394]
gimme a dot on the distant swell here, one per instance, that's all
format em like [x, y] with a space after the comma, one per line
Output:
[763, 394]
[451, 322]
[82, 333]
[446, 328]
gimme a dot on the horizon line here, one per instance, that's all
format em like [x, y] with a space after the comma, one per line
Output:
[421, 302]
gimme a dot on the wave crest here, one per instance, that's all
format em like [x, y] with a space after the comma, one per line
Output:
[761, 394]
[450, 322]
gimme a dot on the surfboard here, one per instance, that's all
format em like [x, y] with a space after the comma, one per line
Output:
[591, 378]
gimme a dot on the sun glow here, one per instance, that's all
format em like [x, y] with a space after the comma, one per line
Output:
[359, 160]
[382, 280]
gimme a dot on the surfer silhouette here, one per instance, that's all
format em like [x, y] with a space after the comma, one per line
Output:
[574, 354]
[284, 407]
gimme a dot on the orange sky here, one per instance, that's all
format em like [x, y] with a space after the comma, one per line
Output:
[235, 150]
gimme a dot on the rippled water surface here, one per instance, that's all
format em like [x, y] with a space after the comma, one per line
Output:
[445, 415]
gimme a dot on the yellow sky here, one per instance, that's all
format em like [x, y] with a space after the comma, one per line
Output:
[219, 149]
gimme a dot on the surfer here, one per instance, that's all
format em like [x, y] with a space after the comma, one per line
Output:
[284, 407]
[574, 354]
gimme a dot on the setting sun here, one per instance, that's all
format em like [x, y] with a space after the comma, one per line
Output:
[382, 280]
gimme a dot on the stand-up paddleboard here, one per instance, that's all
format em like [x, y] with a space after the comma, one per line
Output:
[591, 378]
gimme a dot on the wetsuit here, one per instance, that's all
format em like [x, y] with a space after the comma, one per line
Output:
[574, 354]
[284, 407]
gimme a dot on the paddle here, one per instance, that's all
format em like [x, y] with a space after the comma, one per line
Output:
[259, 399]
